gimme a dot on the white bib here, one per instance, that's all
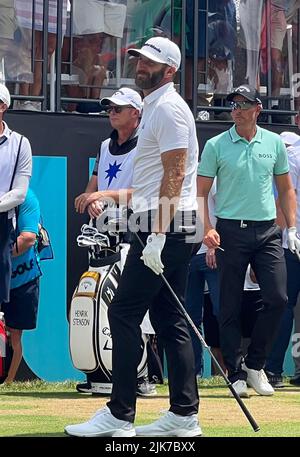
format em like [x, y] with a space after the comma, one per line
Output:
[115, 171]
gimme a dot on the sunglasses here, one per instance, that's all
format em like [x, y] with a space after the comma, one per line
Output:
[117, 109]
[242, 105]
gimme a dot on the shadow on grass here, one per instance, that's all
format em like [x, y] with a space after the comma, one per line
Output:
[42, 435]
[46, 395]
[291, 389]
[207, 392]
[70, 396]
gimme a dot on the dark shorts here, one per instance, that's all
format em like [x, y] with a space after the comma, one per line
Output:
[21, 311]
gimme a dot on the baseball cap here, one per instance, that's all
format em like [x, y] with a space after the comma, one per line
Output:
[124, 96]
[161, 50]
[4, 95]
[249, 92]
[289, 138]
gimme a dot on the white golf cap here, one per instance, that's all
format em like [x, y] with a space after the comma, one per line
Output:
[161, 50]
[289, 138]
[125, 96]
[4, 95]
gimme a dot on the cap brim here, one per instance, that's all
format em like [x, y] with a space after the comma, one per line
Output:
[107, 100]
[231, 96]
[140, 52]
[5, 102]
[289, 138]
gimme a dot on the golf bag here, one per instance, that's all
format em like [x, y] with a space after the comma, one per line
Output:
[90, 338]
[5, 350]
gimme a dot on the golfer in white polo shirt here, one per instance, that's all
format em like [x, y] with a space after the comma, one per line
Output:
[165, 169]
[15, 171]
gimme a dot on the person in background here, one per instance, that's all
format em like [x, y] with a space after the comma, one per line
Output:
[275, 360]
[97, 25]
[8, 26]
[20, 312]
[245, 159]
[29, 25]
[15, 172]
[203, 271]
[112, 174]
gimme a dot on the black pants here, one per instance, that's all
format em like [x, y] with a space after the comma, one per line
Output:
[6, 240]
[260, 245]
[140, 289]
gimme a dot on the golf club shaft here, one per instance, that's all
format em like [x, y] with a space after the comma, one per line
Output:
[242, 405]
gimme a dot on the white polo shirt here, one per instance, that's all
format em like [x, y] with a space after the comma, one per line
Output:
[167, 123]
[294, 164]
[9, 144]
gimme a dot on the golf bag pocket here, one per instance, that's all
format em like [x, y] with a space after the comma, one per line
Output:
[5, 350]
[83, 322]
[3, 339]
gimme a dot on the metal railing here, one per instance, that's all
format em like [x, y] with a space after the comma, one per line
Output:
[52, 96]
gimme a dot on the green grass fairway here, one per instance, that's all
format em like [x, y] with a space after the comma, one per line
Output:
[43, 409]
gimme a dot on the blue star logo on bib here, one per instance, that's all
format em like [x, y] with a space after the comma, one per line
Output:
[112, 172]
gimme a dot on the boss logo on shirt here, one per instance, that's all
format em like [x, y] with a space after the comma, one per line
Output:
[265, 156]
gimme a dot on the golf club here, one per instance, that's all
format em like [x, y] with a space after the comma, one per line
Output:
[245, 410]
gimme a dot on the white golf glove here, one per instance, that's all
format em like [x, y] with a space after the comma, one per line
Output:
[293, 241]
[152, 252]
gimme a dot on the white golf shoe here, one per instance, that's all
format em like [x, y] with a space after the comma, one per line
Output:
[103, 423]
[257, 379]
[240, 387]
[171, 424]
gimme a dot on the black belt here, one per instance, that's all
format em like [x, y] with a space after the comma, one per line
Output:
[243, 223]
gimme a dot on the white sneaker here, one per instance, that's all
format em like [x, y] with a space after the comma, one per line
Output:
[172, 425]
[102, 388]
[257, 379]
[103, 423]
[240, 387]
[146, 389]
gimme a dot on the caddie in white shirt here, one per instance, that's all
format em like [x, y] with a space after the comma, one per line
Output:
[164, 171]
[111, 180]
[15, 172]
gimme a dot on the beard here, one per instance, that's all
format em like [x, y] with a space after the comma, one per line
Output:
[149, 81]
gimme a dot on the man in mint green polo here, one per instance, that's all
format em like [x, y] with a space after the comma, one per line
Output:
[246, 160]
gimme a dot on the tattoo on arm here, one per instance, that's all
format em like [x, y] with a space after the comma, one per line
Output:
[174, 163]
[174, 173]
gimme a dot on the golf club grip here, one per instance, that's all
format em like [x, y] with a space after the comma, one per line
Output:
[243, 407]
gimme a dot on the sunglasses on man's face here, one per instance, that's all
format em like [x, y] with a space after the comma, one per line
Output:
[117, 109]
[242, 105]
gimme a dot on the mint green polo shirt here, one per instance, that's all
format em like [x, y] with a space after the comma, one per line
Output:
[244, 173]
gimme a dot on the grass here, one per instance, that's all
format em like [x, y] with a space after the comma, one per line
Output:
[40, 409]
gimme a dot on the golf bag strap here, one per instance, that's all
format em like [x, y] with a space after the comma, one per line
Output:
[105, 260]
